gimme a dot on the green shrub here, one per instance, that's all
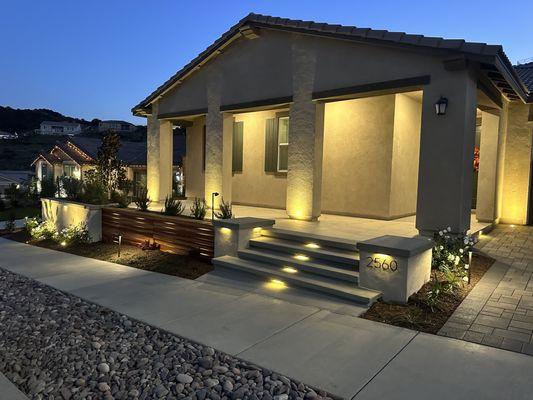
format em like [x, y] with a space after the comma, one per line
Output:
[48, 188]
[198, 208]
[10, 223]
[94, 192]
[225, 210]
[122, 199]
[173, 207]
[2, 205]
[73, 187]
[143, 201]
[14, 194]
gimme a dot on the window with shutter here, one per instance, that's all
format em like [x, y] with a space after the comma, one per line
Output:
[271, 145]
[203, 148]
[283, 144]
[237, 153]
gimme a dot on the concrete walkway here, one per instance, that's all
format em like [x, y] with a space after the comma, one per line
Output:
[9, 391]
[311, 338]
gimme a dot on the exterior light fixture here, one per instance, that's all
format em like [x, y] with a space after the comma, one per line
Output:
[301, 257]
[312, 245]
[441, 105]
[213, 195]
[63, 243]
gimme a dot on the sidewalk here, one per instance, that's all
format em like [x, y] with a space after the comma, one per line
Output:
[311, 338]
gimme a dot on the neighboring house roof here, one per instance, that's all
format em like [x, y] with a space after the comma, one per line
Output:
[17, 177]
[525, 72]
[486, 53]
[113, 121]
[84, 150]
[62, 123]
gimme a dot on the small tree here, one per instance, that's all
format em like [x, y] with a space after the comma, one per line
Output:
[110, 170]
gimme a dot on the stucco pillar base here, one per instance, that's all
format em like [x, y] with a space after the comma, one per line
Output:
[232, 235]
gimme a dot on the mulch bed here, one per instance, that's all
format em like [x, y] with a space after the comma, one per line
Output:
[417, 315]
[184, 266]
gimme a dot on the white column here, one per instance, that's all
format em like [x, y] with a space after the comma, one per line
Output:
[488, 163]
[159, 157]
[447, 153]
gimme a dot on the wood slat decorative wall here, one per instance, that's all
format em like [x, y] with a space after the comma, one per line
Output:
[179, 235]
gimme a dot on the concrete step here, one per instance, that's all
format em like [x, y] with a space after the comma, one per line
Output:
[317, 283]
[323, 268]
[335, 255]
[304, 237]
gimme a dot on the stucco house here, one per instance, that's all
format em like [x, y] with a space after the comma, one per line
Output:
[117, 126]
[77, 155]
[59, 128]
[316, 118]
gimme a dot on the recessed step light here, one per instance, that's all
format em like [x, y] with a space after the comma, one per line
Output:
[312, 245]
[301, 257]
[289, 270]
[275, 284]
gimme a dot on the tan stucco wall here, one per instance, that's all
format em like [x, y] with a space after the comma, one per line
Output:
[405, 154]
[253, 186]
[515, 164]
[194, 178]
[357, 156]
[371, 151]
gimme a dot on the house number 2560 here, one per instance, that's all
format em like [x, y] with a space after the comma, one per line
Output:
[382, 263]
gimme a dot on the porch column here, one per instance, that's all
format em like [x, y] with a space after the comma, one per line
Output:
[306, 138]
[218, 153]
[488, 163]
[159, 157]
[446, 153]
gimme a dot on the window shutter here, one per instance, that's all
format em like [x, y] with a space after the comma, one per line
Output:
[203, 148]
[271, 146]
[237, 153]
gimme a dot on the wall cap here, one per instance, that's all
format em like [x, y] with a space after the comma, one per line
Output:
[396, 245]
[243, 223]
[76, 203]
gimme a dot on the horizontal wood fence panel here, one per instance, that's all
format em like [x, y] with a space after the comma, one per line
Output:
[180, 235]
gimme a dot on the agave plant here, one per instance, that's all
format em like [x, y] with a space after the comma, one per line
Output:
[198, 208]
[173, 207]
[143, 201]
[225, 210]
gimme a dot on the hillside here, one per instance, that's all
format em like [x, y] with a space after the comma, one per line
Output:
[22, 120]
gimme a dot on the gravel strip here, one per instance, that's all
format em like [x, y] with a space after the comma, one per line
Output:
[57, 346]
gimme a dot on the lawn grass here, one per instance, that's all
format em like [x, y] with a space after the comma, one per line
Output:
[20, 212]
[417, 315]
[184, 266]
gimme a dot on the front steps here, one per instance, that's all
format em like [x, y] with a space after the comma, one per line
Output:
[322, 264]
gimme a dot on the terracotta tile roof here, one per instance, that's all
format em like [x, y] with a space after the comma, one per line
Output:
[525, 72]
[483, 50]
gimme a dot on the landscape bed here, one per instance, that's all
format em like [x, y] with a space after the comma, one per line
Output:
[417, 314]
[184, 266]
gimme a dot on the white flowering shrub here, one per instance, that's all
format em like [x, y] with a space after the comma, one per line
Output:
[450, 253]
[40, 230]
[74, 234]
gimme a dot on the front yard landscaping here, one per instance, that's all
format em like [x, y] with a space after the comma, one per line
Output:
[20, 212]
[183, 266]
[420, 313]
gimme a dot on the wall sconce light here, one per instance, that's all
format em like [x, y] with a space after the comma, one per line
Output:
[213, 195]
[441, 105]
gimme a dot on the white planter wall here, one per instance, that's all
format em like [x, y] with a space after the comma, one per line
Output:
[66, 213]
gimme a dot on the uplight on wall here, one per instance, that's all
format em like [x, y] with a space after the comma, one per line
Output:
[441, 105]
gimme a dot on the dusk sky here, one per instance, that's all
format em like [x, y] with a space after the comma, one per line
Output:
[98, 58]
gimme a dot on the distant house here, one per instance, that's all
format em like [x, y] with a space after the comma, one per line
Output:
[18, 178]
[59, 128]
[117, 126]
[7, 135]
[75, 156]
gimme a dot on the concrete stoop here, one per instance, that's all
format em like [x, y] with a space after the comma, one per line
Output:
[323, 264]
